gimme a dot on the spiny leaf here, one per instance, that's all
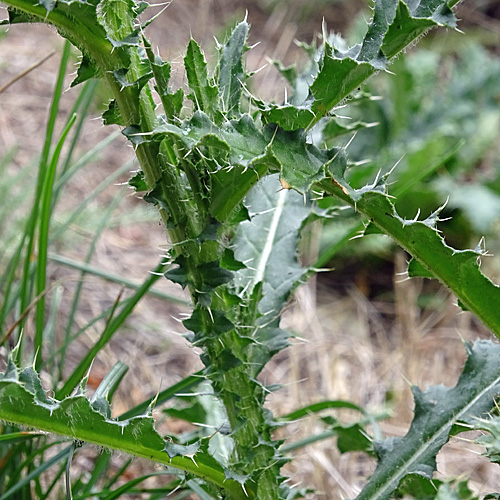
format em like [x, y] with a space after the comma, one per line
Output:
[436, 411]
[267, 245]
[338, 77]
[490, 441]
[172, 102]
[288, 117]
[75, 418]
[394, 26]
[86, 70]
[210, 274]
[121, 76]
[302, 163]
[204, 94]
[383, 16]
[416, 269]
[350, 437]
[459, 270]
[112, 115]
[231, 72]
[179, 450]
[196, 323]
[117, 18]
[405, 28]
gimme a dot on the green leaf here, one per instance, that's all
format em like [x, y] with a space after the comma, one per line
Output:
[288, 117]
[178, 450]
[121, 75]
[322, 405]
[104, 393]
[112, 115]
[457, 269]
[231, 72]
[138, 182]
[436, 411]
[196, 323]
[335, 127]
[383, 16]
[458, 491]
[117, 18]
[417, 270]
[490, 441]
[418, 487]
[394, 26]
[405, 28]
[352, 437]
[204, 94]
[75, 418]
[172, 102]
[212, 275]
[86, 70]
[337, 78]
[194, 413]
[15, 437]
[302, 163]
[267, 244]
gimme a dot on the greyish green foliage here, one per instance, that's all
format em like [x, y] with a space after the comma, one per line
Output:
[215, 177]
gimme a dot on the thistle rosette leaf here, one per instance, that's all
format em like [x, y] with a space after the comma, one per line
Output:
[437, 411]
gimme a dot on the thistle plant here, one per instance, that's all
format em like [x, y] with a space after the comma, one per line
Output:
[235, 180]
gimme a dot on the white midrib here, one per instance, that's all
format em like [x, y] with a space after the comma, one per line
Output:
[387, 488]
[268, 246]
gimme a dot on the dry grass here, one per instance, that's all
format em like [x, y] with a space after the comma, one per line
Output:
[354, 348]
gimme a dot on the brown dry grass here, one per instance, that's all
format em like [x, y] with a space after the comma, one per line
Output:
[354, 348]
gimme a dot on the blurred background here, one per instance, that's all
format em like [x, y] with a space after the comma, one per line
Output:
[365, 332]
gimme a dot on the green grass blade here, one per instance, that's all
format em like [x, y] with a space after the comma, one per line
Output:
[87, 158]
[117, 474]
[317, 407]
[98, 190]
[110, 382]
[109, 331]
[80, 108]
[95, 271]
[50, 328]
[128, 486]
[43, 241]
[76, 297]
[14, 437]
[101, 465]
[47, 493]
[62, 455]
[196, 488]
[27, 285]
